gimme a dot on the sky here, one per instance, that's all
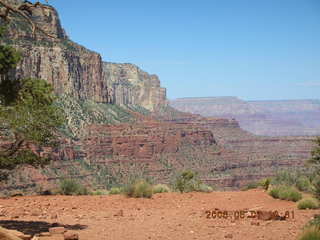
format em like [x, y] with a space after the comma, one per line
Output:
[252, 49]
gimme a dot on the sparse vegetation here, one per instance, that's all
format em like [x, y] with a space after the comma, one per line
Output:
[285, 193]
[161, 188]
[71, 187]
[204, 188]
[188, 181]
[285, 178]
[115, 190]
[139, 189]
[304, 184]
[99, 192]
[308, 203]
[265, 183]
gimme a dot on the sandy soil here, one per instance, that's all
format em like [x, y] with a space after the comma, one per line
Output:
[165, 216]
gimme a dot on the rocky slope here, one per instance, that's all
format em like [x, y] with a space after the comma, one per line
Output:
[269, 118]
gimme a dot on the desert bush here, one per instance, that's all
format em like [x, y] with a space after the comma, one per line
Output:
[274, 192]
[70, 187]
[139, 189]
[187, 181]
[303, 184]
[161, 188]
[115, 190]
[285, 193]
[204, 188]
[310, 233]
[99, 192]
[285, 178]
[308, 203]
[265, 183]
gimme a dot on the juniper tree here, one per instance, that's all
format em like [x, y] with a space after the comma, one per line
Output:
[28, 115]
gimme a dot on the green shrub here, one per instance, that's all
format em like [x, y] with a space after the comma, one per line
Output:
[204, 188]
[285, 193]
[115, 190]
[309, 203]
[161, 188]
[274, 192]
[70, 187]
[265, 183]
[284, 178]
[304, 184]
[187, 181]
[311, 233]
[139, 189]
[99, 192]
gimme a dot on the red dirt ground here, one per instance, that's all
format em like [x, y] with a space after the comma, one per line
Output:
[165, 216]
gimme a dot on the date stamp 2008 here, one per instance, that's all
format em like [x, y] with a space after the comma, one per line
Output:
[244, 214]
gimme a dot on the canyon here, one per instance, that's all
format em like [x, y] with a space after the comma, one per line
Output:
[268, 118]
[120, 125]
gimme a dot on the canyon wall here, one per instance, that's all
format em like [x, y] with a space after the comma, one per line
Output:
[76, 71]
[129, 85]
[111, 136]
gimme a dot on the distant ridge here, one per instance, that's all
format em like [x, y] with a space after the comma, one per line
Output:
[262, 117]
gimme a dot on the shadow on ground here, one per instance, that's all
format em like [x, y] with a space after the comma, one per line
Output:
[32, 228]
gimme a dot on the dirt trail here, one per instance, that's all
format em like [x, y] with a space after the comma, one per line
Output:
[165, 216]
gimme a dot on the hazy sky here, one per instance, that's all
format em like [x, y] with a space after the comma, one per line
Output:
[253, 49]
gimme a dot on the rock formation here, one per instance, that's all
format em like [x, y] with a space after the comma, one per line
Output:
[129, 85]
[76, 71]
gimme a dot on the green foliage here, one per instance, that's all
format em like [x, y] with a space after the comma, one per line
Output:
[265, 183]
[161, 188]
[204, 188]
[284, 178]
[311, 233]
[188, 181]
[303, 184]
[285, 193]
[24, 156]
[308, 203]
[9, 57]
[115, 190]
[31, 114]
[71, 187]
[274, 192]
[28, 112]
[139, 189]
[99, 192]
